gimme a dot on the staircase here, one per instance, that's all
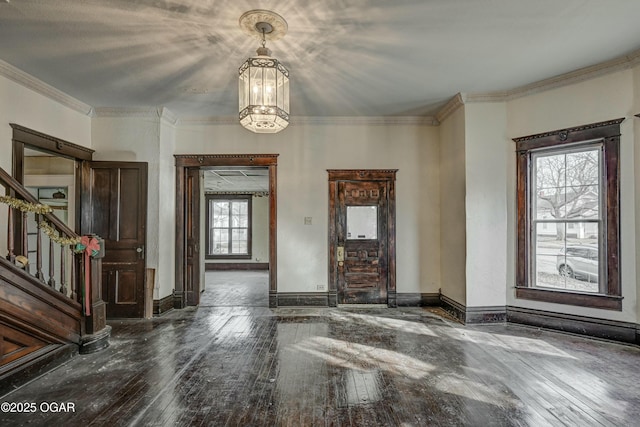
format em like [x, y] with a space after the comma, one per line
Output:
[48, 311]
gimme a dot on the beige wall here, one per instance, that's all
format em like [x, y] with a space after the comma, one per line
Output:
[306, 151]
[453, 236]
[487, 151]
[27, 108]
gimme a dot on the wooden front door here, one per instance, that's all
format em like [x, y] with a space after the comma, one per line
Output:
[114, 206]
[362, 237]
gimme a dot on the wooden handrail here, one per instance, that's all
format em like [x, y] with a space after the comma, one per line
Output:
[12, 183]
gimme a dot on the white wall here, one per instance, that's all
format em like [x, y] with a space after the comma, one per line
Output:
[306, 151]
[29, 109]
[137, 139]
[607, 97]
[453, 238]
[487, 151]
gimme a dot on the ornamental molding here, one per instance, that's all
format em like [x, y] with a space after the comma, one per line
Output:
[38, 86]
[583, 74]
[564, 133]
[451, 107]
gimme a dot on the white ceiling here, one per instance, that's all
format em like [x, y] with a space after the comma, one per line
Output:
[346, 57]
[247, 180]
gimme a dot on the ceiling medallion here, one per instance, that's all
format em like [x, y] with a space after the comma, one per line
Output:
[263, 81]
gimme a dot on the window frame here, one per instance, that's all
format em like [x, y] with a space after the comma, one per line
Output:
[209, 218]
[606, 134]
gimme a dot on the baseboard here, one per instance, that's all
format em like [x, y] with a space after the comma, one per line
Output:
[163, 305]
[307, 299]
[453, 307]
[407, 299]
[599, 328]
[236, 266]
[473, 315]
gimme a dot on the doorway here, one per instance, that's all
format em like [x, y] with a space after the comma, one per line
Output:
[362, 243]
[191, 247]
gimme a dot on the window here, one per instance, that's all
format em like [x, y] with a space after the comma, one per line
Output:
[228, 227]
[568, 216]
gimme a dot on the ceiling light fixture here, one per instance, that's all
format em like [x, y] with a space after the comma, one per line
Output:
[264, 81]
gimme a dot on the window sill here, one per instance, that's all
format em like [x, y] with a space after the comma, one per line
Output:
[606, 302]
[227, 257]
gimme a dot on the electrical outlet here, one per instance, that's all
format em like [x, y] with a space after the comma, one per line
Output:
[307, 220]
[320, 286]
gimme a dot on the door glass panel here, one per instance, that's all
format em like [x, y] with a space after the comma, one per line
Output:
[362, 222]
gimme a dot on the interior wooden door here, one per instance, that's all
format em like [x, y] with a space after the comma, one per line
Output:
[362, 237]
[192, 234]
[114, 205]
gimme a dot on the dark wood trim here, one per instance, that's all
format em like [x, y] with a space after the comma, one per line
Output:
[25, 369]
[407, 299]
[485, 314]
[309, 299]
[431, 299]
[334, 177]
[453, 307]
[181, 244]
[200, 160]
[95, 342]
[162, 305]
[606, 302]
[236, 266]
[602, 134]
[391, 239]
[599, 328]
[473, 315]
[362, 174]
[185, 162]
[273, 227]
[50, 144]
[572, 135]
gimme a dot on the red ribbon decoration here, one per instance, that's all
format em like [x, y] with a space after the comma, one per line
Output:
[91, 244]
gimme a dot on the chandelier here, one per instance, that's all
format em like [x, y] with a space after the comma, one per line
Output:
[263, 81]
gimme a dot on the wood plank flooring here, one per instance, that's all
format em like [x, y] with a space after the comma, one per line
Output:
[255, 366]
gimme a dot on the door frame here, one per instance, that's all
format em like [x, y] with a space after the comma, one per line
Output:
[388, 175]
[186, 162]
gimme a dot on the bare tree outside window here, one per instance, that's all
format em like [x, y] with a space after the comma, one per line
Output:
[566, 219]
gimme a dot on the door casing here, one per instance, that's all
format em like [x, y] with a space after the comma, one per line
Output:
[190, 162]
[336, 176]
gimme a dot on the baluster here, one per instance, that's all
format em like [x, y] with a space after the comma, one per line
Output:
[52, 280]
[74, 282]
[11, 256]
[39, 273]
[25, 240]
[63, 282]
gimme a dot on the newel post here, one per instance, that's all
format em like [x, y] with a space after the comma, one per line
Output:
[96, 332]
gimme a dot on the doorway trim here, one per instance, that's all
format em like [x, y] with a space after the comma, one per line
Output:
[186, 162]
[388, 175]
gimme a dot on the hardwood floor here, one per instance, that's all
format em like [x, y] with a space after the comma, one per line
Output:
[255, 366]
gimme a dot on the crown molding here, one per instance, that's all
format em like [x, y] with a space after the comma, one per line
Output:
[161, 113]
[583, 74]
[38, 86]
[451, 107]
[330, 120]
